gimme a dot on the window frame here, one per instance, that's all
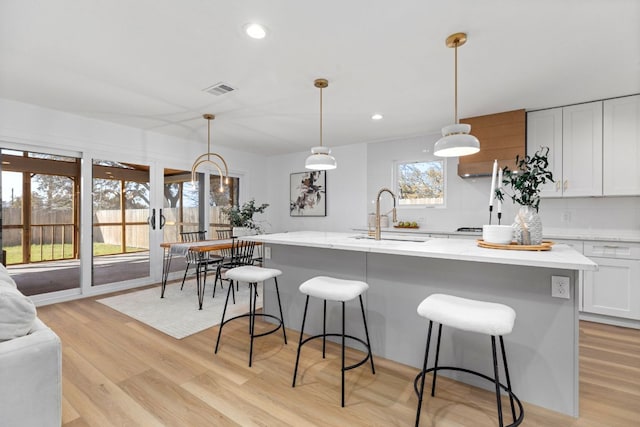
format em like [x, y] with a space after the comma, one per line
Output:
[395, 180]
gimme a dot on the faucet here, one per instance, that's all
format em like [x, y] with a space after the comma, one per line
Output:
[382, 190]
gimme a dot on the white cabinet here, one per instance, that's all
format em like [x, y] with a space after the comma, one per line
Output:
[621, 146]
[574, 137]
[613, 290]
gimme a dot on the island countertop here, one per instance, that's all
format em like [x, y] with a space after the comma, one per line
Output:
[560, 256]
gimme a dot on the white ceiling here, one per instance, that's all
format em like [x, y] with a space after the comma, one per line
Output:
[144, 63]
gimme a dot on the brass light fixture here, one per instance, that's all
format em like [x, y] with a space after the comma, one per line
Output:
[320, 158]
[456, 140]
[206, 157]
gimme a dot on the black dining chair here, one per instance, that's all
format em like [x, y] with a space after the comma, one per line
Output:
[241, 254]
[202, 260]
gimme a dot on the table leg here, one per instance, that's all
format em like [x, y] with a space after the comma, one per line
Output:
[166, 263]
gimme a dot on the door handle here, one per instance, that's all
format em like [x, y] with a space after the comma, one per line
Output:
[162, 220]
[566, 184]
[152, 220]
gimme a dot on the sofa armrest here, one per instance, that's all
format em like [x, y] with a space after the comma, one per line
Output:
[31, 379]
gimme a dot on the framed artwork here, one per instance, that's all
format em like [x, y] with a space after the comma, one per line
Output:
[308, 193]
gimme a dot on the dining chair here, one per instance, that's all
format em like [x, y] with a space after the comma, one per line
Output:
[241, 254]
[202, 260]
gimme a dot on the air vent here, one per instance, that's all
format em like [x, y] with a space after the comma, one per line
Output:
[219, 89]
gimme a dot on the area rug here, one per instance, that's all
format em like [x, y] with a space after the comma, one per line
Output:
[177, 313]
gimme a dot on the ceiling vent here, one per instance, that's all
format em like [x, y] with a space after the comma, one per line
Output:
[220, 89]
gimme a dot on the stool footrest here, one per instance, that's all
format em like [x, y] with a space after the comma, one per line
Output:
[279, 325]
[486, 377]
[351, 337]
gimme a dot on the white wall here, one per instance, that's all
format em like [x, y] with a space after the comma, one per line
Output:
[32, 127]
[346, 191]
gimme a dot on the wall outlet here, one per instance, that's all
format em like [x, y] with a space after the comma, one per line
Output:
[560, 287]
[267, 252]
[566, 216]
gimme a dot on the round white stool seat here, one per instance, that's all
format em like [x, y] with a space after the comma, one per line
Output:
[252, 274]
[468, 315]
[330, 288]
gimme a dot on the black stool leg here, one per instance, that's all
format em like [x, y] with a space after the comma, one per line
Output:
[435, 371]
[280, 307]
[304, 317]
[253, 291]
[324, 327]
[424, 368]
[224, 311]
[366, 332]
[497, 378]
[343, 353]
[506, 371]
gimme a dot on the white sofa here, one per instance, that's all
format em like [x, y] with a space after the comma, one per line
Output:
[30, 363]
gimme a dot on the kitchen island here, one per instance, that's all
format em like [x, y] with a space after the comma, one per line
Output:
[542, 349]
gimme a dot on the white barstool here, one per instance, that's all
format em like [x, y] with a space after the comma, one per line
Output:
[474, 316]
[252, 275]
[332, 289]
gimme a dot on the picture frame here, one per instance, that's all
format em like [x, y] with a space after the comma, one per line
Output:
[308, 194]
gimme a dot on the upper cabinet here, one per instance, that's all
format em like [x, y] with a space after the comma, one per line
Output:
[621, 146]
[501, 136]
[574, 137]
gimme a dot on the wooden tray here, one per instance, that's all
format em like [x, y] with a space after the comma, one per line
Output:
[397, 226]
[544, 246]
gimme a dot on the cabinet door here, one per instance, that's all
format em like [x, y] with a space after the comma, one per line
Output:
[621, 146]
[544, 129]
[614, 289]
[582, 150]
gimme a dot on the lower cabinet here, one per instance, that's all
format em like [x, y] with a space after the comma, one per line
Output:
[613, 290]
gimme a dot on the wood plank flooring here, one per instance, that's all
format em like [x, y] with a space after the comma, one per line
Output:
[119, 372]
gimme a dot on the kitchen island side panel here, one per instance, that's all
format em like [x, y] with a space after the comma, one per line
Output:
[542, 349]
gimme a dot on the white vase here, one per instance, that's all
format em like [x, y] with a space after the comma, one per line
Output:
[527, 226]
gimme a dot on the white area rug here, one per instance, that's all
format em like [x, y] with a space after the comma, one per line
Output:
[177, 313]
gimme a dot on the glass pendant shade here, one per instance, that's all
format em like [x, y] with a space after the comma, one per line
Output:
[456, 141]
[320, 159]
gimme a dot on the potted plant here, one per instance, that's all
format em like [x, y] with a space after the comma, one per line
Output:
[526, 183]
[241, 219]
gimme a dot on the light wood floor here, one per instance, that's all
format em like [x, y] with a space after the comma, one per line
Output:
[117, 372]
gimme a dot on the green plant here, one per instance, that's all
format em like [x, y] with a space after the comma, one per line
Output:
[526, 182]
[243, 217]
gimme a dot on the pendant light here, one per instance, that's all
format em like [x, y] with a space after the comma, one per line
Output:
[320, 158]
[456, 140]
[206, 157]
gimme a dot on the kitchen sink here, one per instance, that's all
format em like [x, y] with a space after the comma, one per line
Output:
[395, 239]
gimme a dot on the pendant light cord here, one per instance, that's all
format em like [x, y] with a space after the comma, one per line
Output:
[455, 89]
[321, 117]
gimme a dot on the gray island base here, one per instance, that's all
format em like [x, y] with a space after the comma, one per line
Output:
[542, 349]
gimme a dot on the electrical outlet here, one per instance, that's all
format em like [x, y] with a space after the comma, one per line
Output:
[566, 216]
[267, 252]
[560, 287]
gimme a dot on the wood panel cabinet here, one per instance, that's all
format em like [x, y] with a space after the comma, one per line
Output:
[621, 146]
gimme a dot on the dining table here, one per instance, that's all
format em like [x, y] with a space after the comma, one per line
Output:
[180, 249]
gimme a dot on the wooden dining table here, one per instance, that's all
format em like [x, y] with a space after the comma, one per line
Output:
[172, 249]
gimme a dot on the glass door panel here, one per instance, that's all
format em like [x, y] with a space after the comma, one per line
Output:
[40, 227]
[121, 208]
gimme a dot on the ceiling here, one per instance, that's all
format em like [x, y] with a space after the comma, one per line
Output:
[145, 63]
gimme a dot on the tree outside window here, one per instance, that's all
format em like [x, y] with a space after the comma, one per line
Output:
[420, 183]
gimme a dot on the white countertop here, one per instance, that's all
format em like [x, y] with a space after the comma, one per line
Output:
[560, 256]
[629, 236]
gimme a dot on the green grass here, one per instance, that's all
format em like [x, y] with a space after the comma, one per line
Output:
[14, 253]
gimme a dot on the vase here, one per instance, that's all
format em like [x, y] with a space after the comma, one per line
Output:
[527, 226]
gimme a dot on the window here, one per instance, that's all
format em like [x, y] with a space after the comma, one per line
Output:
[420, 183]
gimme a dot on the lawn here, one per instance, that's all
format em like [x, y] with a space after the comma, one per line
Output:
[14, 253]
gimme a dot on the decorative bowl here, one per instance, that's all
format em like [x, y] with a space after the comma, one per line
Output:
[499, 234]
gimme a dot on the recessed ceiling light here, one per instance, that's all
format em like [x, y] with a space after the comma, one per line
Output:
[376, 116]
[255, 31]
